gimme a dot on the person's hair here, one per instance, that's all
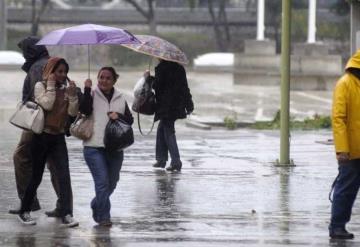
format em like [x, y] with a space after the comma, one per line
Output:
[61, 61]
[111, 70]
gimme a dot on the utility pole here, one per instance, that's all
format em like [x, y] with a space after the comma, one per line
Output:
[354, 26]
[3, 21]
[285, 84]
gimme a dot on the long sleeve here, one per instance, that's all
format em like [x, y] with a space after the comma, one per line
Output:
[339, 118]
[127, 117]
[189, 104]
[86, 103]
[73, 107]
[26, 89]
[45, 97]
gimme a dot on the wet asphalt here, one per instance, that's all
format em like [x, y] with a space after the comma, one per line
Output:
[229, 193]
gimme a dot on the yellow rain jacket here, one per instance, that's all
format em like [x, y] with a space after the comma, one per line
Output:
[346, 111]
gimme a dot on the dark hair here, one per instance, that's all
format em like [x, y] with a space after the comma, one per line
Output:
[112, 71]
[61, 61]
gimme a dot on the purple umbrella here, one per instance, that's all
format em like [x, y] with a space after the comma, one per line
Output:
[88, 34]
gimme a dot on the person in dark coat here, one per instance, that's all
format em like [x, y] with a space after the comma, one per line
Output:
[36, 57]
[173, 101]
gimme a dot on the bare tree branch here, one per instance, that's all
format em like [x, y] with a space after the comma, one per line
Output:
[138, 8]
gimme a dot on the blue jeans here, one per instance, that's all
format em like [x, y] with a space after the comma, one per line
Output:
[105, 169]
[166, 141]
[345, 191]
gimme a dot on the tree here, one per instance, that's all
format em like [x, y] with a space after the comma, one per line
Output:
[36, 15]
[341, 7]
[220, 24]
[273, 16]
[217, 11]
[148, 13]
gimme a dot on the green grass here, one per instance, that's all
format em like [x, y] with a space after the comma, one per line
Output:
[313, 123]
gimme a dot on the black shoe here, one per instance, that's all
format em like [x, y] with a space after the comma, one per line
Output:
[26, 219]
[174, 166]
[34, 207]
[159, 164]
[54, 213]
[340, 233]
[14, 211]
[105, 223]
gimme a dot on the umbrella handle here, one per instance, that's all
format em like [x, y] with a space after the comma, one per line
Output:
[88, 48]
[150, 63]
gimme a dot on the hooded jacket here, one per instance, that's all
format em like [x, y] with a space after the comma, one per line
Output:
[346, 110]
[36, 57]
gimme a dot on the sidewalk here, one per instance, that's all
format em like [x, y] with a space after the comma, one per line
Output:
[229, 193]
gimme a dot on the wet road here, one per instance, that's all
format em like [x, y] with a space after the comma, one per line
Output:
[229, 193]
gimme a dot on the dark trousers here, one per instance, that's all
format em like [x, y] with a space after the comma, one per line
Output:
[166, 141]
[45, 146]
[105, 169]
[345, 191]
[23, 169]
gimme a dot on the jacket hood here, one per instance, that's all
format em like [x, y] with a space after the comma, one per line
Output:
[354, 61]
[50, 65]
[31, 51]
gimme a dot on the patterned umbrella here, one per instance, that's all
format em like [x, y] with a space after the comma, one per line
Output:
[157, 47]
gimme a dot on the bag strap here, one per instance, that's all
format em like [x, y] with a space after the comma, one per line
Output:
[332, 188]
[138, 117]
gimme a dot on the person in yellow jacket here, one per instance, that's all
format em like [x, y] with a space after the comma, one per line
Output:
[346, 131]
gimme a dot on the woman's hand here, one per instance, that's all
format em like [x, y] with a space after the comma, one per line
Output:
[146, 73]
[88, 83]
[71, 89]
[113, 115]
[342, 156]
[52, 77]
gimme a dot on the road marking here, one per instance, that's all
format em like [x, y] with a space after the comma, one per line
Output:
[259, 115]
[310, 96]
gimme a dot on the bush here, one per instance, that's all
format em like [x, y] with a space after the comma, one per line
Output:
[230, 123]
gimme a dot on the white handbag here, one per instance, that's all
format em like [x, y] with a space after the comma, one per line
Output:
[29, 116]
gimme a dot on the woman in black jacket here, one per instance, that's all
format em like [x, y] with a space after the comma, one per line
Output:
[173, 101]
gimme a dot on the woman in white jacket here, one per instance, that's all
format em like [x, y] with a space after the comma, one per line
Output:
[105, 102]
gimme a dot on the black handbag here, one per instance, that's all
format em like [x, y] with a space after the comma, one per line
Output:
[144, 101]
[118, 135]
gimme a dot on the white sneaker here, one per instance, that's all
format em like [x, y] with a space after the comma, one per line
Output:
[69, 221]
[26, 219]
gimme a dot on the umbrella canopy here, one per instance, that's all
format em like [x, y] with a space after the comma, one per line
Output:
[88, 34]
[157, 47]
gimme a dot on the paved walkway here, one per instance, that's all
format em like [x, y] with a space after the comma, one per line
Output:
[229, 193]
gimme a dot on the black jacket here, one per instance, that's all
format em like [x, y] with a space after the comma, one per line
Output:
[173, 97]
[36, 57]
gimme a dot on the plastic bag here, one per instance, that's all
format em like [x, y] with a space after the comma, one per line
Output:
[139, 87]
[118, 135]
[144, 100]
